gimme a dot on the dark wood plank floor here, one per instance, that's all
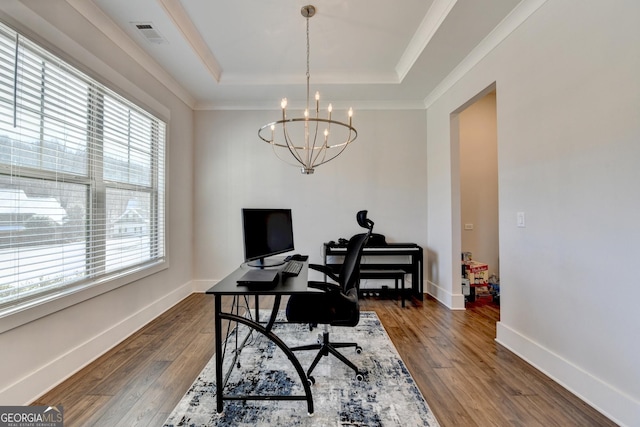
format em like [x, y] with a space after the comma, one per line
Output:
[466, 377]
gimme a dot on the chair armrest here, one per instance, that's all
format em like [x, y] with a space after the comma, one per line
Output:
[324, 269]
[325, 286]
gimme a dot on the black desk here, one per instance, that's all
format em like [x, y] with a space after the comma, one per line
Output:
[229, 287]
[413, 267]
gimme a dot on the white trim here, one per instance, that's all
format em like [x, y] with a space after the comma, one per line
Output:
[22, 316]
[575, 379]
[434, 18]
[451, 301]
[337, 106]
[201, 286]
[46, 377]
[181, 19]
[114, 33]
[509, 24]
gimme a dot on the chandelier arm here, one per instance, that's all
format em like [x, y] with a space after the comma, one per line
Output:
[310, 153]
[352, 130]
[332, 157]
[348, 141]
[343, 146]
[307, 147]
[312, 158]
[319, 149]
[282, 158]
[290, 146]
[324, 156]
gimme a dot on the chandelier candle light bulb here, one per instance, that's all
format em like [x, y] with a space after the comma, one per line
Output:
[308, 152]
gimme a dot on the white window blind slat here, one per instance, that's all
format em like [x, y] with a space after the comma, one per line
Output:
[81, 178]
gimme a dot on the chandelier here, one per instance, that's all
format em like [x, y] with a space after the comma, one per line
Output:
[311, 140]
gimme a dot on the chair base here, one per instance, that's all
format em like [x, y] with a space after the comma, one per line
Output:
[325, 348]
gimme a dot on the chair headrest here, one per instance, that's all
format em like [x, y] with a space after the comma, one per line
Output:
[363, 221]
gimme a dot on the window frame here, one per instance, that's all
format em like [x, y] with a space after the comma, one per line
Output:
[71, 294]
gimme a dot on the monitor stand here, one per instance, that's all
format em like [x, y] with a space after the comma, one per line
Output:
[263, 263]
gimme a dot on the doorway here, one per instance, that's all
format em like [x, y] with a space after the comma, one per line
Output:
[478, 169]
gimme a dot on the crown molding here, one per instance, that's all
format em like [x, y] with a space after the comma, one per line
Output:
[337, 106]
[434, 18]
[509, 24]
[104, 24]
[181, 19]
[287, 79]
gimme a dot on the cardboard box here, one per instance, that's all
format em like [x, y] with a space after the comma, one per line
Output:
[475, 267]
[477, 273]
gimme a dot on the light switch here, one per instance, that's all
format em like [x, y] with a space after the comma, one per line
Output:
[520, 219]
[468, 226]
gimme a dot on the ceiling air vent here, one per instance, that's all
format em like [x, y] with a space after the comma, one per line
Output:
[150, 33]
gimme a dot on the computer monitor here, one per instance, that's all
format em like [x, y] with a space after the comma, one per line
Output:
[267, 232]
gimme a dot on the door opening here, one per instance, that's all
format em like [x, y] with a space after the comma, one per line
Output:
[478, 218]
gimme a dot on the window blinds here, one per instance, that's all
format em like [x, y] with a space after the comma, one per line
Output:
[81, 178]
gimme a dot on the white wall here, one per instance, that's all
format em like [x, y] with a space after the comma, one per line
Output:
[568, 148]
[568, 132]
[40, 354]
[383, 171]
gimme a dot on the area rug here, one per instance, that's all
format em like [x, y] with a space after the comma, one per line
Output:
[388, 395]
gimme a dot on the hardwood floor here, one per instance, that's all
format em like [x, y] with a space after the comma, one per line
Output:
[465, 376]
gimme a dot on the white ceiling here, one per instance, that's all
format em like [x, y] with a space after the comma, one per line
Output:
[252, 53]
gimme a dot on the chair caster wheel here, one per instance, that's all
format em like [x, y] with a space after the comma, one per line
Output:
[311, 380]
[359, 376]
[358, 349]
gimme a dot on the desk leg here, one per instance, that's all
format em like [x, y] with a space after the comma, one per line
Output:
[274, 312]
[218, 350]
[287, 351]
[257, 307]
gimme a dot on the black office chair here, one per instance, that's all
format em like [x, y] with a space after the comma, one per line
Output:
[337, 305]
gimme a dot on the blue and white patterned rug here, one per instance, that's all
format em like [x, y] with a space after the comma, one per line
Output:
[388, 395]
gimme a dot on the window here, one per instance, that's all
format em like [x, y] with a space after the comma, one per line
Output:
[81, 179]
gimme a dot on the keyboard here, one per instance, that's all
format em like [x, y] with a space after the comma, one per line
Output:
[292, 268]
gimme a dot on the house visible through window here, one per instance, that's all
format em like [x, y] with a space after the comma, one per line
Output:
[81, 178]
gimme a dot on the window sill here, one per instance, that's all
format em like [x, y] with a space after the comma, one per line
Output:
[29, 312]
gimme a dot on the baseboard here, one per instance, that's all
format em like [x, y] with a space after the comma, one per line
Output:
[201, 286]
[612, 403]
[46, 377]
[452, 301]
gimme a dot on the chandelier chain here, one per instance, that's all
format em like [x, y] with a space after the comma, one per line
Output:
[308, 74]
